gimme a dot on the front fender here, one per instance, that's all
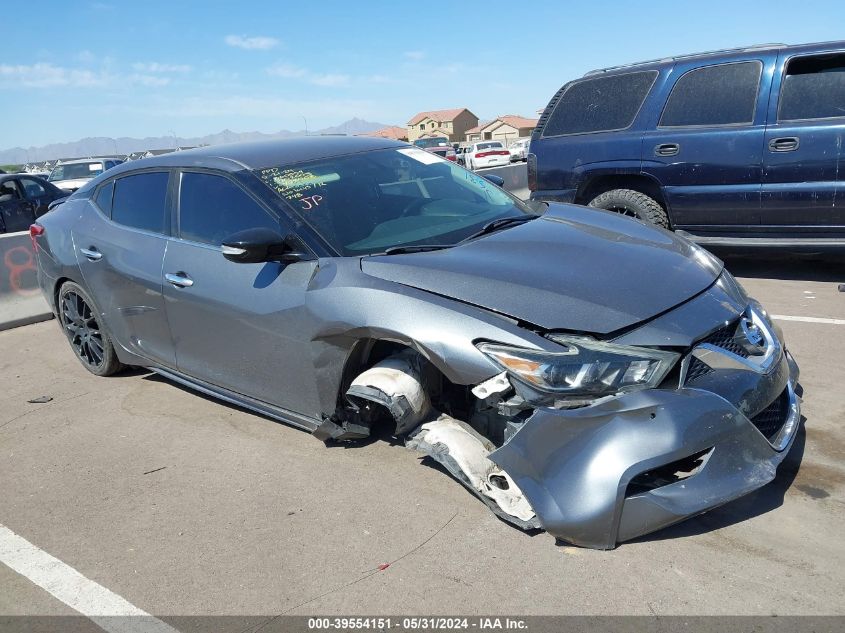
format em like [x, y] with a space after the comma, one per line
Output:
[347, 306]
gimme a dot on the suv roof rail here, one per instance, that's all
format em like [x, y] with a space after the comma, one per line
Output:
[742, 49]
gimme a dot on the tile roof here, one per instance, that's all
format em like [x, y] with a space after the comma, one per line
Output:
[437, 115]
[392, 131]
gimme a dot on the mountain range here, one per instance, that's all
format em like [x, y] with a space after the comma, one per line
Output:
[104, 145]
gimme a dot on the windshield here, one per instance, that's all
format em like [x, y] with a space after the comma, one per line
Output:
[72, 171]
[493, 145]
[431, 142]
[369, 202]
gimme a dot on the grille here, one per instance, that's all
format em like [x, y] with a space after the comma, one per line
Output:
[770, 419]
[697, 369]
[725, 338]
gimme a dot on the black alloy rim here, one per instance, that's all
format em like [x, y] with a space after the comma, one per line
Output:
[82, 329]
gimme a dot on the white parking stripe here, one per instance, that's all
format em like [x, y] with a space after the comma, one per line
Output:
[104, 608]
[784, 317]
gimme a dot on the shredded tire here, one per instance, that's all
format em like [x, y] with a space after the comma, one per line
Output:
[632, 203]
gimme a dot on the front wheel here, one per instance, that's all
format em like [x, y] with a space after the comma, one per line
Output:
[80, 323]
[632, 203]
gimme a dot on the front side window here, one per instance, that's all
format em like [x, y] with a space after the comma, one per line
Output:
[212, 208]
[33, 188]
[371, 201]
[140, 201]
[600, 104]
[813, 88]
[714, 95]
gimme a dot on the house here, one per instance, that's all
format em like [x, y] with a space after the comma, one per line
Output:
[452, 124]
[392, 131]
[507, 127]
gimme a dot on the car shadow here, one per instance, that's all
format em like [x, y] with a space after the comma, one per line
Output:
[791, 268]
[761, 501]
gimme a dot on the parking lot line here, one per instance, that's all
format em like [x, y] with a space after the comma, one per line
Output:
[106, 609]
[785, 317]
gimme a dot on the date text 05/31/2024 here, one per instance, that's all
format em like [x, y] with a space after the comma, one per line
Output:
[431, 623]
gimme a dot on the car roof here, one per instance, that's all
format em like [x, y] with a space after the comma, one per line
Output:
[4, 177]
[78, 161]
[720, 56]
[263, 154]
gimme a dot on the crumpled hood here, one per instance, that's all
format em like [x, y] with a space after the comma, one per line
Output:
[574, 268]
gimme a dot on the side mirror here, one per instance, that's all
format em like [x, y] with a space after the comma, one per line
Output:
[496, 180]
[254, 246]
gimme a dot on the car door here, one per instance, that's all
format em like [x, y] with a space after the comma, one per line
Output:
[706, 148]
[37, 194]
[802, 172]
[16, 211]
[120, 239]
[236, 326]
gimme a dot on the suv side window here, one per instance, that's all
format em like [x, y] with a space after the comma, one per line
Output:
[813, 88]
[600, 104]
[140, 201]
[211, 208]
[714, 95]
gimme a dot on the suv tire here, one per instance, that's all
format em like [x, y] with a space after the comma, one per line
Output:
[632, 203]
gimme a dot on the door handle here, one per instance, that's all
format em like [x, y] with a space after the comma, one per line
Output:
[92, 254]
[180, 279]
[667, 149]
[784, 144]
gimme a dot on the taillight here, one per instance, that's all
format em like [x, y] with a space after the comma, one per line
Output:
[531, 161]
[493, 153]
[35, 230]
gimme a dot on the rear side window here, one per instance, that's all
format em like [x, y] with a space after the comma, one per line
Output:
[212, 208]
[813, 88]
[139, 201]
[104, 196]
[600, 104]
[714, 95]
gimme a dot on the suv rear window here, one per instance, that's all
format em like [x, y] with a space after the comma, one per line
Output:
[714, 95]
[813, 88]
[600, 104]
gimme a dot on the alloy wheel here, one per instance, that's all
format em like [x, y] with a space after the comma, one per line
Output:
[82, 329]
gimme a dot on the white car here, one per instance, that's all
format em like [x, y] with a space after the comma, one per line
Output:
[486, 154]
[72, 174]
[519, 149]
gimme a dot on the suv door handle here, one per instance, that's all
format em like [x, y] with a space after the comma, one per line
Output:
[180, 279]
[92, 254]
[784, 144]
[667, 149]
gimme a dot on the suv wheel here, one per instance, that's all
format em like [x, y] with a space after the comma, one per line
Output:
[79, 320]
[632, 203]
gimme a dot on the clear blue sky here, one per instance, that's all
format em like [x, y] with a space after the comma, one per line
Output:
[108, 68]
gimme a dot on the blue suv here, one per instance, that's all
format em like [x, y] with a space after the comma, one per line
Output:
[731, 147]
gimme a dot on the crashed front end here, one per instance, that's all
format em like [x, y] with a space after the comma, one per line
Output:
[603, 441]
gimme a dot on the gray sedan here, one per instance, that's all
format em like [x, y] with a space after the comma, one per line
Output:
[580, 372]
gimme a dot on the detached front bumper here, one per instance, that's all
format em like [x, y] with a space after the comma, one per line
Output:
[596, 476]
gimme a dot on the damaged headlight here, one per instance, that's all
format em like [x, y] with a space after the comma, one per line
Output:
[586, 367]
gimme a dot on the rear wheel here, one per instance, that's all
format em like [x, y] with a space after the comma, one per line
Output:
[632, 203]
[80, 323]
